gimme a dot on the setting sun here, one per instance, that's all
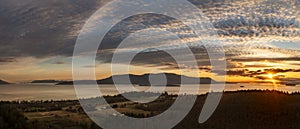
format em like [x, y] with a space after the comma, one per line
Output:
[270, 76]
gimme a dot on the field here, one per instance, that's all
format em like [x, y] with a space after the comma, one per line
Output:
[239, 109]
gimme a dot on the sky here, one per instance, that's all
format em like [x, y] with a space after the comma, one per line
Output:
[261, 39]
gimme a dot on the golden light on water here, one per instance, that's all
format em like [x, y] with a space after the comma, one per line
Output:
[271, 76]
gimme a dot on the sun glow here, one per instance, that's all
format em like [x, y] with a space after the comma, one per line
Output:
[270, 76]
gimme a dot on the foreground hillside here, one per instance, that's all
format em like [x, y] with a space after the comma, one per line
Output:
[237, 110]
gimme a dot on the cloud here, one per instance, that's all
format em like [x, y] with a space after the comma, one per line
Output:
[257, 59]
[248, 30]
[257, 66]
[42, 28]
[59, 62]
[50, 28]
[162, 60]
[275, 71]
[289, 80]
[261, 74]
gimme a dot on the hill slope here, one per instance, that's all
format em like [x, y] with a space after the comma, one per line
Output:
[144, 80]
[3, 82]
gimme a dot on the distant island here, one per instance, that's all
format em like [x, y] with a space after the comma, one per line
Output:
[46, 81]
[143, 80]
[3, 82]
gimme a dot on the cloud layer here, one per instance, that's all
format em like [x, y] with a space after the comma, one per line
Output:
[251, 32]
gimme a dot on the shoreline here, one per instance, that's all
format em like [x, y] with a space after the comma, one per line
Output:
[19, 92]
[155, 93]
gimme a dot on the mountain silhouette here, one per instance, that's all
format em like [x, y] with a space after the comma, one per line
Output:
[3, 82]
[45, 81]
[147, 80]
